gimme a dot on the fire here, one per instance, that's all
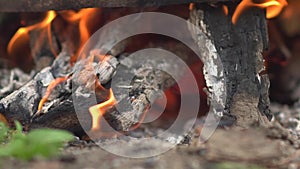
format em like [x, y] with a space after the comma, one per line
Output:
[191, 6]
[99, 110]
[23, 31]
[82, 18]
[225, 9]
[51, 86]
[273, 8]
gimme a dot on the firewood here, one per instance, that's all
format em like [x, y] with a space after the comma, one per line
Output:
[240, 66]
[22, 104]
[147, 84]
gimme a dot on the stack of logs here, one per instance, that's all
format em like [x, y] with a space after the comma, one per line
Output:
[240, 71]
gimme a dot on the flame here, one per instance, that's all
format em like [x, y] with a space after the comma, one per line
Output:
[225, 9]
[82, 17]
[51, 86]
[97, 111]
[23, 31]
[191, 6]
[273, 8]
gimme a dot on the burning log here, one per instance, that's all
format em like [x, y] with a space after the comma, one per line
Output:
[26, 106]
[145, 88]
[240, 72]
[22, 104]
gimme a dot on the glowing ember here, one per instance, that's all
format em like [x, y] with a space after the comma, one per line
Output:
[99, 110]
[23, 32]
[273, 8]
[51, 86]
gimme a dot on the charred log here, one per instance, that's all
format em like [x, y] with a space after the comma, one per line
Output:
[22, 104]
[240, 48]
[146, 84]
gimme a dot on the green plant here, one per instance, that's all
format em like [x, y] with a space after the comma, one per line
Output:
[36, 143]
[3, 132]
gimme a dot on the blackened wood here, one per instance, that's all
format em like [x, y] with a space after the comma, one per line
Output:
[62, 116]
[147, 84]
[22, 104]
[35, 6]
[146, 87]
[240, 48]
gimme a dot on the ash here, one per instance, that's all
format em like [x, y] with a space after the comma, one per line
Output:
[12, 79]
[288, 116]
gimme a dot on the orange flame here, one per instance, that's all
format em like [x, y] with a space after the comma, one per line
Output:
[273, 8]
[98, 110]
[51, 86]
[82, 17]
[23, 31]
[225, 9]
[191, 6]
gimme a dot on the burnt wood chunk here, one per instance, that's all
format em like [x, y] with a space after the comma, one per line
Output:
[22, 104]
[240, 47]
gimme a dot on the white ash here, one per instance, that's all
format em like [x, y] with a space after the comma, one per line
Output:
[10, 80]
[287, 116]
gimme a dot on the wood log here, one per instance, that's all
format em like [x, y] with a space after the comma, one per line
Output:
[36, 6]
[239, 48]
[59, 111]
[22, 104]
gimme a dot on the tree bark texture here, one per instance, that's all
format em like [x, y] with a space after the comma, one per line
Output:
[239, 47]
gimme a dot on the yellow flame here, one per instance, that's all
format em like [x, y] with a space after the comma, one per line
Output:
[49, 89]
[98, 111]
[273, 8]
[82, 17]
[23, 31]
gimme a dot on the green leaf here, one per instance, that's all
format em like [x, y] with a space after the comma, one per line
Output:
[3, 132]
[19, 127]
[38, 142]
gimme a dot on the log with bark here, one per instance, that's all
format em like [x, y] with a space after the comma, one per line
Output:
[239, 47]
